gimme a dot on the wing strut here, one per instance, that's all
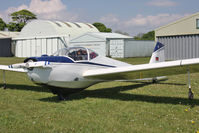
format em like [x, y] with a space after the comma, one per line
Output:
[4, 79]
[190, 94]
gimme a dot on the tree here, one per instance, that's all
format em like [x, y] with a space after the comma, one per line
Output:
[101, 27]
[14, 26]
[147, 36]
[20, 18]
[2, 25]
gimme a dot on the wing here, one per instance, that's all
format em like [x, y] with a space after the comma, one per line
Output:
[8, 68]
[23, 67]
[144, 70]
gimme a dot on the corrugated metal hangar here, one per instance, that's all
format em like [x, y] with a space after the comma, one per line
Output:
[45, 37]
[181, 38]
[114, 45]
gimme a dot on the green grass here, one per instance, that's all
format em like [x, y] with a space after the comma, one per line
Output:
[106, 107]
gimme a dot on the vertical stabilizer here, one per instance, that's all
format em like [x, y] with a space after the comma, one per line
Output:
[158, 53]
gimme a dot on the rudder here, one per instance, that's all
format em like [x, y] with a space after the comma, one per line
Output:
[158, 53]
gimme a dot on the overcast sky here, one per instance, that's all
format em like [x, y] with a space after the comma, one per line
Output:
[131, 16]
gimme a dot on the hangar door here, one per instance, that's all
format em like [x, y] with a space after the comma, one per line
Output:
[180, 47]
[27, 47]
[117, 48]
[5, 47]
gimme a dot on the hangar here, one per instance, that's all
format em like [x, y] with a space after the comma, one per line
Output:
[181, 38]
[114, 45]
[5, 43]
[45, 37]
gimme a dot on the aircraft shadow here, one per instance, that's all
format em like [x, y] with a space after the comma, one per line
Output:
[26, 87]
[116, 94]
[111, 93]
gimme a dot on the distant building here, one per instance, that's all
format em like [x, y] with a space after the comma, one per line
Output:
[5, 43]
[181, 38]
[45, 37]
[114, 45]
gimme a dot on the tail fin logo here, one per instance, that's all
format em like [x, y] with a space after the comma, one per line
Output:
[158, 46]
[158, 53]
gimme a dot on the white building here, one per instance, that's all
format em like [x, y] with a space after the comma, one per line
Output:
[45, 37]
[114, 45]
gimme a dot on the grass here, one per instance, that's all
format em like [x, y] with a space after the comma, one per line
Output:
[106, 107]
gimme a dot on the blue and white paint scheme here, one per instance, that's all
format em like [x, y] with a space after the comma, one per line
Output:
[158, 54]
[76, 68]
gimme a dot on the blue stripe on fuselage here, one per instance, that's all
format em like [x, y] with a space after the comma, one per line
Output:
[60, 59]
[97, 64]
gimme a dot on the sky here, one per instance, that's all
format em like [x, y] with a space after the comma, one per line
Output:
[131, 16]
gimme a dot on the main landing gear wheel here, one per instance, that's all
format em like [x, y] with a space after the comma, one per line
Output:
[190, 94]
[154, 80]
[59, 93]
[63, 94]
[4, 86]
[4, 80]
[61, 97]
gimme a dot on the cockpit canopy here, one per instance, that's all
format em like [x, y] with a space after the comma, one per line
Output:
[77, 53]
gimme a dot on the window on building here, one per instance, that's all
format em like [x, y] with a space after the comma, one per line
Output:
[89, 25]
[77, 25]
[197, 23]
[67, 24]
[57, 24]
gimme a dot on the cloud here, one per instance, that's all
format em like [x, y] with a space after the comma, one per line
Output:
[140, 23]
[153, 20]
[14, 9]
[162, 3]
[110, 18]
[45, 9]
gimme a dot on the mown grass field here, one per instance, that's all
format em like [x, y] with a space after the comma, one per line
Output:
[120, 107]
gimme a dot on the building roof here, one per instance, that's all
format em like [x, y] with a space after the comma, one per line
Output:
[6, 34]
[178, 21]
[38, 28]
[183, 26]
[98, 36]
[109, 35]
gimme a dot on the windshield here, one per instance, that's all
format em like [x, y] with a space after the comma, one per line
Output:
[76, 53]
[92, 54]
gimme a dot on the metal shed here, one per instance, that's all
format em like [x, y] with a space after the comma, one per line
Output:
[45, 37]
[114, 45]
[181, 38]
[5, 47]
[5, 43]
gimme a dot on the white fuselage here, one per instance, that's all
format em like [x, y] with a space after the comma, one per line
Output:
[69, 75]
